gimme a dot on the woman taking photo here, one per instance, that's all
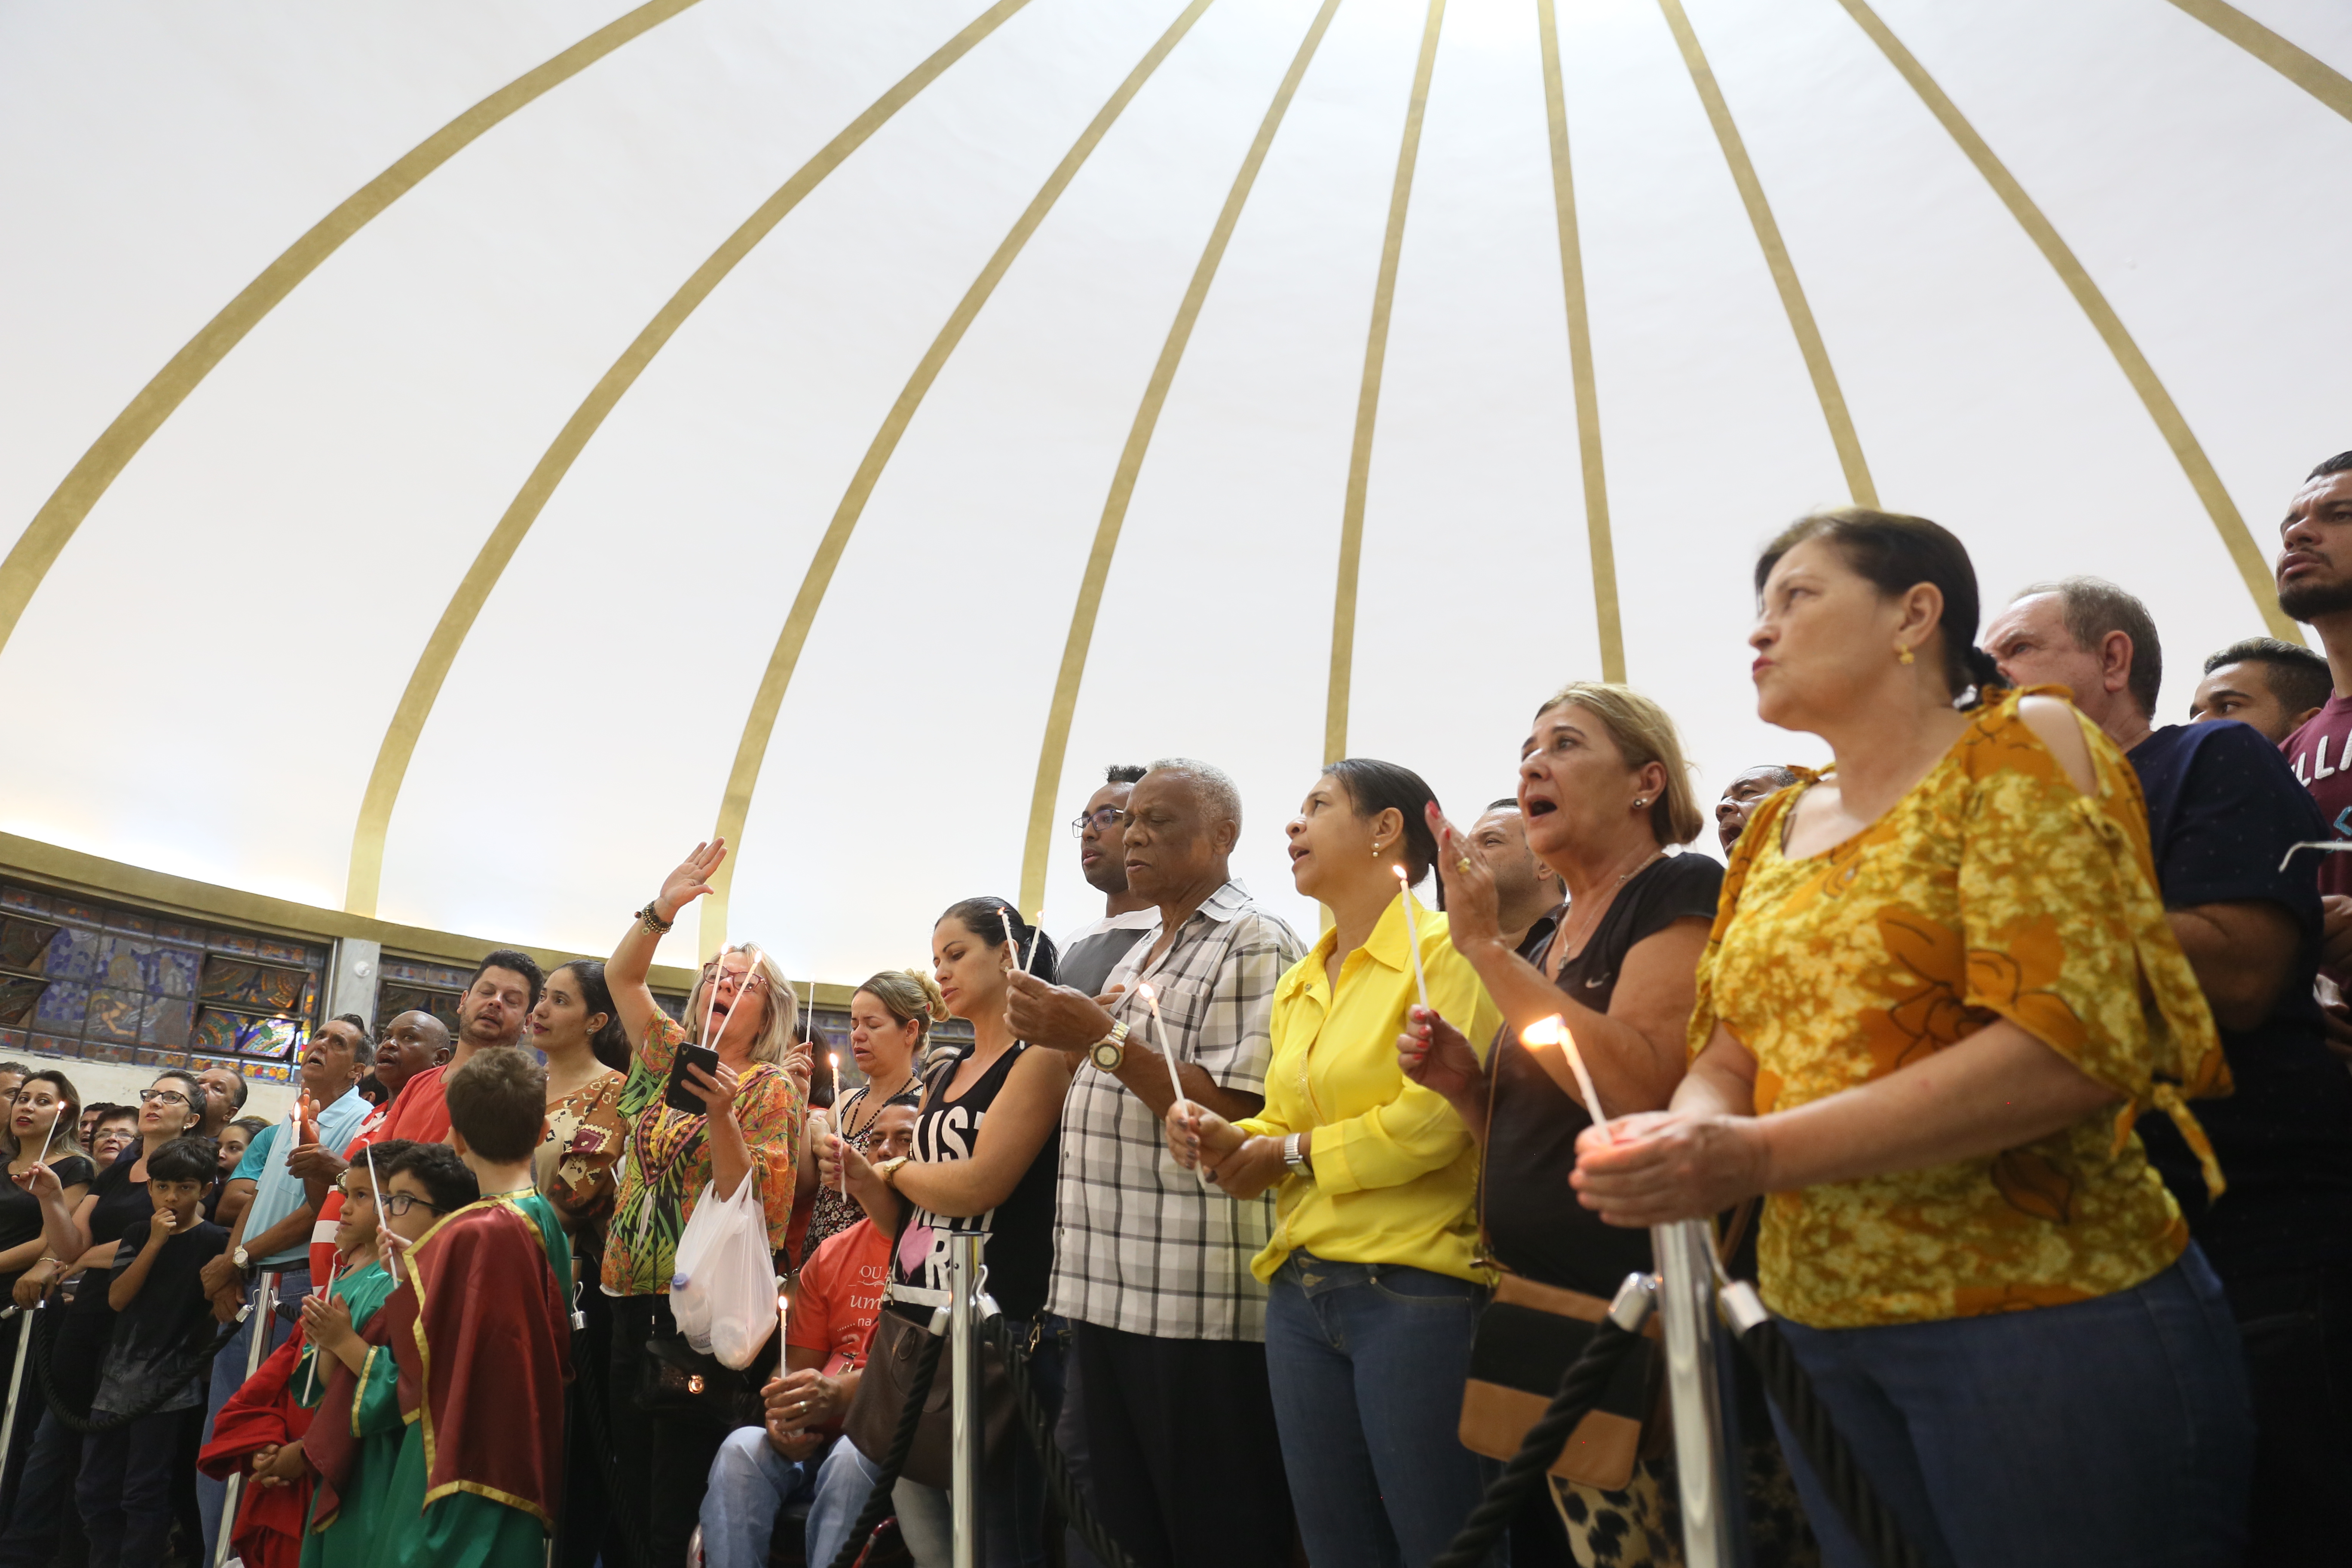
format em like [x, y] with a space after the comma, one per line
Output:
[1373, 1281]
[890, 1018]
[750, 1131]
[1938, 990]
[985, 1156]
[82, 1238]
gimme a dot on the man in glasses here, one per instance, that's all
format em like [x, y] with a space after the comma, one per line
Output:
[1090, 952]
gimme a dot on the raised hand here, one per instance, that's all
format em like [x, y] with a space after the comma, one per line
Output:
[306, 1132]
[39, 1180]
[692, 881]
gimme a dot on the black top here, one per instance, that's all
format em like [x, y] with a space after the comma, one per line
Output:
[1535, 1226]
[20, 1211]
[1019, 1251]
[160, 1336]
[122, 1203]
[1090, 959]
[2221, 809]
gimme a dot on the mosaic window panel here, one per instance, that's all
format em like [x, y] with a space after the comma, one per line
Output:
[395, 997]
[25, 943]
[220, 1032]
[263, 987]
[19, 995]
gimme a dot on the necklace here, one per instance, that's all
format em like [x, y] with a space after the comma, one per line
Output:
[1563, 944]
[864, 1095]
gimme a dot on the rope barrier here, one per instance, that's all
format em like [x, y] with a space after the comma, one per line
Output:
[167, 1389]
[878, 1501]
[1058, 1479]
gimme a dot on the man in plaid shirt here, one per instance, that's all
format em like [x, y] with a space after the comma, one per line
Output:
[1152, 1268]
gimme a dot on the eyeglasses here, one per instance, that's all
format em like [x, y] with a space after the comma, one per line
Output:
[1102, 819]
[398, 1204]
[168, 1096]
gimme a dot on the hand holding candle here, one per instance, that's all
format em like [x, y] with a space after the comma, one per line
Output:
[1411, 933]
[1175, 1082]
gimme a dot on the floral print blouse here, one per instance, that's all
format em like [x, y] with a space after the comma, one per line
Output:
[669, 1161]
[577, 1158]
[1993, 889]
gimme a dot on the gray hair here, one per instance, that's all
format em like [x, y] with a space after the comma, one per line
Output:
[363, 1051]
[2092, 607]
[1216, 787]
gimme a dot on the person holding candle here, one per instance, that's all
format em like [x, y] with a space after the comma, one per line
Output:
[744, 1009]
[890, 1019]
[43, 1128]
[984, 1159]
[1938, 990]
[1373, 1281]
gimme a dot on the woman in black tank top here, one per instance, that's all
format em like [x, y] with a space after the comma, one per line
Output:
[986, 1155]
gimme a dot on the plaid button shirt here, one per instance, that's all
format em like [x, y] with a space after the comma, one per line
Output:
[1138, 1246]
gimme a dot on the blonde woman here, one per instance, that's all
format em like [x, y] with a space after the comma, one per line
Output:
[890, 1020]
[748, 1130]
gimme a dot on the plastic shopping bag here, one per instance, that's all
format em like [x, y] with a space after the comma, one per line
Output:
[723, 1293]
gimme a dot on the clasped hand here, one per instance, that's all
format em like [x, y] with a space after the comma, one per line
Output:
[1664, 1165]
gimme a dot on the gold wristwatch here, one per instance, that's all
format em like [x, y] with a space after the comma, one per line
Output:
[1110, 1051]
[888, 1170]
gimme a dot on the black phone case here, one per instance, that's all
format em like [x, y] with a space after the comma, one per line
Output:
[676, 1096]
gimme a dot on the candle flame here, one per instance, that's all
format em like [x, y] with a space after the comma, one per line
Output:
[1145, 992]
[1549, 1031]
[1400, 872]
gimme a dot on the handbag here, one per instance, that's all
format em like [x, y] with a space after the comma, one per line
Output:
[882, 1390]
[675, 1379]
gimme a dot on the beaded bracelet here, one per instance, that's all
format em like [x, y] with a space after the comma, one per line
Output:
[654, 923]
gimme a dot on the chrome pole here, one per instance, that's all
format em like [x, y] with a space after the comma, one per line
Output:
[257, 1345]
[25, 1321]
[1686, 1259]
[964, 1428]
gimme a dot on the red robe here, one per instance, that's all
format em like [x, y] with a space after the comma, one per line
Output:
[261, 1413]
[482, 1327]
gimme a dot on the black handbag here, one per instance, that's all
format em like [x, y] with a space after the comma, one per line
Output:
[882, 1394]
[676, 1380]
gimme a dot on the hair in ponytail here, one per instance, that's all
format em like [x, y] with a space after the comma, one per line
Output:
[909, 996]
[1896, 554]
[988, 917]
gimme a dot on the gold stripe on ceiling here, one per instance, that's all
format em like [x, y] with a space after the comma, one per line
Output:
[1367, 400]
[1056, 750]
[365, 881]
[2252, 566]
[743, 778]
[2308, 72]
[1608, 622]
[1776, 257]
[61, 517]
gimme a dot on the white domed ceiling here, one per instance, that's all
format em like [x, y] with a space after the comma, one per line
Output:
[455, 456]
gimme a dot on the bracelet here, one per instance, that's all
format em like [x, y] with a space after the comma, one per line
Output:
[654, 923]
[888, 1170]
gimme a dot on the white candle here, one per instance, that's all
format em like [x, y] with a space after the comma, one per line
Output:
[384, 1238]
[749, 970]
[1553, 1031]
[783, 1320]
[1175, 1083]
[1411, 933]
[60, 1116]
[1019, 962]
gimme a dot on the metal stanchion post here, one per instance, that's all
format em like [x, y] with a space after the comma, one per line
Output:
[1685, 1253]
[25, 1322]
[964, 1427]
[257, 1345]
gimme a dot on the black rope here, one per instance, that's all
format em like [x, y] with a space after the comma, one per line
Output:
[1058, 1479]
[1858, 1503]
[167, 1388]
[1580, 1390]
[877, 1502]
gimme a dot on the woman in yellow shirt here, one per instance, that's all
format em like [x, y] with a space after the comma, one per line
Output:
[1373, 1288]
[1938, 990]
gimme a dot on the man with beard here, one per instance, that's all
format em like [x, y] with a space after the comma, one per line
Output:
[498, 1002]
[1090, 952]
[2315, 586]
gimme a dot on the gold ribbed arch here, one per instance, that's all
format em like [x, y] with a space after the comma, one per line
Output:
[751, 751]
[62, 516]
[1055, 749]
[365, 878]
[2252, 564]
[2306, 70]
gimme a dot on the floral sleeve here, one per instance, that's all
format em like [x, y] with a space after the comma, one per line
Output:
[772, 1109]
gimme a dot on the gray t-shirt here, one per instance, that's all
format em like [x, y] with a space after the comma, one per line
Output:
[154, 1335]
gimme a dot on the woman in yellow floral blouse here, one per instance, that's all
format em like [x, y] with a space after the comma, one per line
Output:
[1939, 991]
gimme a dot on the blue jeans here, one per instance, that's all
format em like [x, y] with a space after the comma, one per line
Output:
[228, 1376]
[2113, 1430]
[1366, 1363]
[844, 1482]
[751, 1483]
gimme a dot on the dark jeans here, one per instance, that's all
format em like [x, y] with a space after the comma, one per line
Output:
[40, 1514]
[1366, 1363]
[1070, 1437]
[125, 1490]
[1181, 1442]
[2298, 1331]
[661, 1461]
[2112, 1430]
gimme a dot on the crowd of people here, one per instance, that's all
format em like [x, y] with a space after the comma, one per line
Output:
[2008, 1053]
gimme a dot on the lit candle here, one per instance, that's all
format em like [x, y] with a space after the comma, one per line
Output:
[1553, 1031]
[1411, 933]
[1175, 1083]
[383, 1224]
[783, 1320]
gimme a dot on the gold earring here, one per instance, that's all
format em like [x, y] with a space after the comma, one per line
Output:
[1902, 655]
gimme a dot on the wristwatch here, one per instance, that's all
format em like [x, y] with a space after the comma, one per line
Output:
[240, 1259]
[1109, 1051]
[888, 1170]
[1295, 1159]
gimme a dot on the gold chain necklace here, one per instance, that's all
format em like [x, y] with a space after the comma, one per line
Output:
[1562, 945]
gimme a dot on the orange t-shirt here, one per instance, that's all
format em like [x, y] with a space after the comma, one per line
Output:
[841, 1295]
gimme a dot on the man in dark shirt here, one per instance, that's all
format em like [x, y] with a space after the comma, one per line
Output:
[2275, 686]
[2223, 809]
[1527, 891]
[1093, 951]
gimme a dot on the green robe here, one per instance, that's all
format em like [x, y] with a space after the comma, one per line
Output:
[375, 1420]
[464, 1529]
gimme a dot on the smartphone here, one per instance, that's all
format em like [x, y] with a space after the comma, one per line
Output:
[678, 1097]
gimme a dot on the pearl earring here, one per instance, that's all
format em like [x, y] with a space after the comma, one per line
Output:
[1638, 804]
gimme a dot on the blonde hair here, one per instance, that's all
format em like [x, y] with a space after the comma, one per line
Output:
[1644, 733]
[909, 996]
[783, 1007]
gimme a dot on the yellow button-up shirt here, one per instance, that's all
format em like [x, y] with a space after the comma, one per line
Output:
[1395, 1171]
